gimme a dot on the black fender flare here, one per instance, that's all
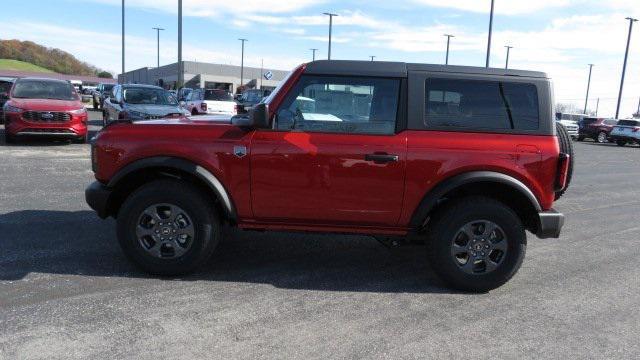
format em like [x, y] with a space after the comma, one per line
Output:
[187, 166]
[431, 199]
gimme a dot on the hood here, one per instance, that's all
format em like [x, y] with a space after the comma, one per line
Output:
[191, 120]
[156, 110]
[47, 104]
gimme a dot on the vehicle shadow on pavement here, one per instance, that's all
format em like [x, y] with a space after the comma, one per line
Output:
[79, 243]
[40, 141]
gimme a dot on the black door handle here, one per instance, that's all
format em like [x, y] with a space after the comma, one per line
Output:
[381, 158]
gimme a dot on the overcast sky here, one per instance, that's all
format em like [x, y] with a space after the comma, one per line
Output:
[557, 36]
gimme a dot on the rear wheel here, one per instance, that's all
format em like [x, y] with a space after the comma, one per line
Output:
[621, 143]
[566, 147]
[167, 227]
[580, 138]
[602, 137]
[194, 112]
[476, 244]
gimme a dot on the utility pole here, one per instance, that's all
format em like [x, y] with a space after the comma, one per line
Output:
[506, 65]
[180, 65]
[242, 63]
[314, 53]
[586, 100]
[446, 60]
[157, 29]
[372, 57]
[261, 72]
[490, 33]
[123, 75]
[331, 15]
[624, 67]
[597, 106]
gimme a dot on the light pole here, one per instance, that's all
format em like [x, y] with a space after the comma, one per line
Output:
[372, 57]
[624, 67]
[446, 59]
[242, 63]
[261, 72]
[180, 65]
[490, 33]
[506, 64]
[330, 30]
[157, 29]
[586, 100]
[314, 53]
[597, 106]
[123, 76]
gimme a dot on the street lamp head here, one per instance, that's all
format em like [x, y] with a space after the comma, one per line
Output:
[243, 40]
[449, 35]
[631, 19]
[330, 14]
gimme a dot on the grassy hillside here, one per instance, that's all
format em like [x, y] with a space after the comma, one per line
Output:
[7, 64]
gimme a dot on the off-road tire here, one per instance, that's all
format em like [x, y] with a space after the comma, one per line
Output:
[206, 222]
[566, 147]
[446, 223]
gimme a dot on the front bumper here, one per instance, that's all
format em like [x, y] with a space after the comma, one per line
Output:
[550, 224]
[97, 196]
[17, 126]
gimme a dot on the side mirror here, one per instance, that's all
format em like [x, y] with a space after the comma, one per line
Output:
[258, 118]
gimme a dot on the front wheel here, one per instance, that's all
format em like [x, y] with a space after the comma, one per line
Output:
[476, 244]
[168, 227]
[602, 137]
[8, 138]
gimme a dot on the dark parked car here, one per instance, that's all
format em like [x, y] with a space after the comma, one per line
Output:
[597, 129]
[140, 102]
[251, 98]
[5, 88]
[102, 92]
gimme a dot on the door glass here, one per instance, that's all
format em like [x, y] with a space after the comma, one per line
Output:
[341, 105]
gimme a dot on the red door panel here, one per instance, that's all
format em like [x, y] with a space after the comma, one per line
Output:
[319, 178]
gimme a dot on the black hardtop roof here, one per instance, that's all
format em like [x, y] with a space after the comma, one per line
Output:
[400, 69]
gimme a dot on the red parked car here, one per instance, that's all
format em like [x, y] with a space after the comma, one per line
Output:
[466, 158]
[597, 129]
[44, 107]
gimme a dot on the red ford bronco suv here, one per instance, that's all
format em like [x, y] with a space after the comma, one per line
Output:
[466, 158]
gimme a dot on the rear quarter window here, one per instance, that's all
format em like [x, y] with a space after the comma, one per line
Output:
[481, 104]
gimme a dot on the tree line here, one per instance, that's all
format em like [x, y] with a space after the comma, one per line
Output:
[50, 58]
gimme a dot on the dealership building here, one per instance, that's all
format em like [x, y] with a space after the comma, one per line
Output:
[205, 75]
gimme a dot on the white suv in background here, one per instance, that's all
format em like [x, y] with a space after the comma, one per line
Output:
[210, 101]
[570, 122]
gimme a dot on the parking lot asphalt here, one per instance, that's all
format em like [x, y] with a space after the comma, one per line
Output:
[66, 290]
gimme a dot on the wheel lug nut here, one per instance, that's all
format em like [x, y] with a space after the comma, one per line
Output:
[486, 246]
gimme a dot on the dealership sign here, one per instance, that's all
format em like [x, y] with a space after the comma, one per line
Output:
[268, 75]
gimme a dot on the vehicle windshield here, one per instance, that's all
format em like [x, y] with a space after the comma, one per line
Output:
[148, 96]
[628, 123]
[44, 89]
[108, 87]
[588, 121]
[217, 95]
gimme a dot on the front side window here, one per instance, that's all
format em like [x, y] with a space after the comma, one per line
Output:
[44, 89]
[341, 105]
[480, 104]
